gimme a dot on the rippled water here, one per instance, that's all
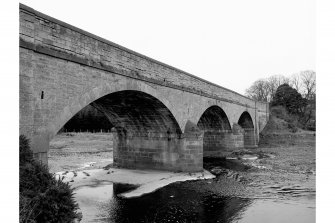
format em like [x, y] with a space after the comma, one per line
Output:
[176, 203]
[180, 202]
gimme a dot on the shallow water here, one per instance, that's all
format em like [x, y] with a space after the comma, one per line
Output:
[180, 202]
[243, 191]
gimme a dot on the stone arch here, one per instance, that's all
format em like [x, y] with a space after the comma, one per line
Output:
[145, 132]
[246, 122]
[137, 112]
[104, 89]
[214, 118]
[215, 124]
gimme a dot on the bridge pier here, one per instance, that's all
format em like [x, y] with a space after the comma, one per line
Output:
[191, 153]
[222, 143]
[214, 143]
[158, 150]
[249, 138]
[146, 150]
[234, 139]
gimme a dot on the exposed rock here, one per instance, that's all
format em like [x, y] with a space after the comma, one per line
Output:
[217, 170]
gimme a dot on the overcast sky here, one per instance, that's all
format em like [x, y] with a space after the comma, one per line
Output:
[229, 42]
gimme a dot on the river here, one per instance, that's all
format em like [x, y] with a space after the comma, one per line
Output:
[222, 199]
[273, 183]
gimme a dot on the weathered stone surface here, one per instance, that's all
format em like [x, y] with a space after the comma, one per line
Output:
[63, 69]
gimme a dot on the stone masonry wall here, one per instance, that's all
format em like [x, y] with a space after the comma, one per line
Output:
[191, 154]
[182, 153]
[158, 152]
[221, 144]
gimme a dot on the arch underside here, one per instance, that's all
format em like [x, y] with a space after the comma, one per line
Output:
[137, 112]
[245, 121]
[215, 124]
[214, 119]
[145, 133]
[105, 89]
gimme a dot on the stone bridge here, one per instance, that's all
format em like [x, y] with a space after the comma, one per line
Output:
[163, 118]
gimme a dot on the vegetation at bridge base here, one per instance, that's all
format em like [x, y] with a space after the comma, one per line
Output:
[299, 111]
[42, 197]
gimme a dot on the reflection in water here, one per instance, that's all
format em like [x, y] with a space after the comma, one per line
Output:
[188, 202]
[176, 203]
[218, 200]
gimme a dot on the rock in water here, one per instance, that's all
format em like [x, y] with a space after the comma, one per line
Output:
[217, 170]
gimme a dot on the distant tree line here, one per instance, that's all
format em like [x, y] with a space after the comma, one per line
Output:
[265, 89]
[89, 119]
[296, 93]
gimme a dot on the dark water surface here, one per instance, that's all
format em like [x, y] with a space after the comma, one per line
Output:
[215, 200]
[179, 202]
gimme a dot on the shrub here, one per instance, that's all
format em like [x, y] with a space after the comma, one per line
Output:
[289, 98]
[42, 197]
[279, 112]
[292, 127]
[25, 154]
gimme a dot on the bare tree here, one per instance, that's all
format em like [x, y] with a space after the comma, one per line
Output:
[265, 89]
[274, 82]
[259, 90]
[308, 81]
[295, 82]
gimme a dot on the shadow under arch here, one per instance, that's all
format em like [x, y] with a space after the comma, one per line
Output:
[137, 112]
[215, 124]
[77, 103]
[214, 118]
[245, 121]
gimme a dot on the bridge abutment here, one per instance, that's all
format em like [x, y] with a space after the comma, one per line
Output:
[39, 145]
[41, 157]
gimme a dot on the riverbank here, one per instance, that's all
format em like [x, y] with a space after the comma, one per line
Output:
[73, 151]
